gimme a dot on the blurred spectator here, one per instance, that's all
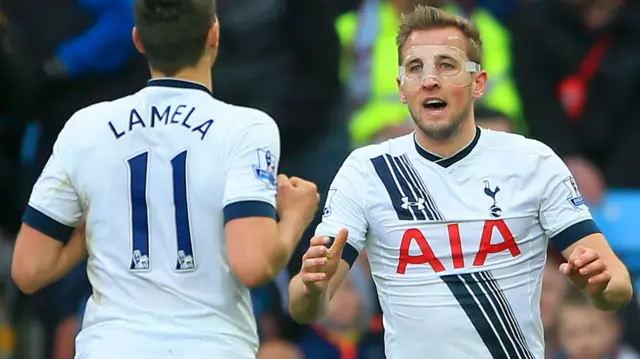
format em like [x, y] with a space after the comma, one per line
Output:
[78, 53]
[282, 57]
[279, 349]
[492, 119]
[501, 93]
[577, 67]
[499, 8]
[554, 289]
[343, 6]
[585, 332]
[343, 333]
[370, 66]
[12, 91]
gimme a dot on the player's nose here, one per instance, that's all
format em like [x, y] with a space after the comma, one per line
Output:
[430, 82]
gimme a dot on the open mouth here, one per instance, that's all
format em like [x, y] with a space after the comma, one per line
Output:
[434, 104]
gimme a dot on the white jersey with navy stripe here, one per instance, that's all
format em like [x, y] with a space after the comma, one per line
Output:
[457, 245]
[157, 175]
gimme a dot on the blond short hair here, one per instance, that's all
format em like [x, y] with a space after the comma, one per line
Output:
[427, 17]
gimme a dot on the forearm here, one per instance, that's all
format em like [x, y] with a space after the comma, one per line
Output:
[32, 273]
[290, 231]
[71, 255]
[306, 307]
[618, 293]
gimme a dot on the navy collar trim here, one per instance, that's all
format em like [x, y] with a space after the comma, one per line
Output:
[449, 161]
[177, 83]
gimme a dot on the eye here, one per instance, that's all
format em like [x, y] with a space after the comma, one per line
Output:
[447, 66]
[415, 68]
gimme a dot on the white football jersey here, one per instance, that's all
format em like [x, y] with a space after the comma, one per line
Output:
[157, 175]
[457, 245]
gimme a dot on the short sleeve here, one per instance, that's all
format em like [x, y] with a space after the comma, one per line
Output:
[250, 184]
[564, 216]
[54, 206]
[344, 208]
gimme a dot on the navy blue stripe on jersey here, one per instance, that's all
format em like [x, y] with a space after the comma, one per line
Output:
[349, 253]
[412, 199]
[574, 233]
[181, 212]
[384, 172]
[447, 162]
[246, 209]
[491, 286]
[138, 175]
[501, 322]
[176, 83]
[408, 194]
[422, 189]
[481, 304]
[47, 225]
[422, 203]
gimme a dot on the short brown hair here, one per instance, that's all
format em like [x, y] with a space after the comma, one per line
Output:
[173, 32]
[428, 17]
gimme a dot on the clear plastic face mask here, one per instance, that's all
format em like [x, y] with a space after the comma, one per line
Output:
[448, 64]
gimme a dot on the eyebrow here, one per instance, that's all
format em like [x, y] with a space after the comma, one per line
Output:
[445, 57]
[414, 60]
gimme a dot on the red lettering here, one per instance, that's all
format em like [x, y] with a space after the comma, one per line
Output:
[487, 247]
[427, 255]
[455, 243]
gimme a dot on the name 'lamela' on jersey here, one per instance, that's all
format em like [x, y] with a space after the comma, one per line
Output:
[180, 115]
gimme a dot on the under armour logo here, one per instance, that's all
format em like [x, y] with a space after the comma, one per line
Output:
[494, 210]
[418, 205]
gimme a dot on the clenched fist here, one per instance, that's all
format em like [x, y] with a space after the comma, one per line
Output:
[297, 198]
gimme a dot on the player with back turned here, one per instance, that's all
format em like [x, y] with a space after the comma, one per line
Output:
[455, 219]
[177, 195]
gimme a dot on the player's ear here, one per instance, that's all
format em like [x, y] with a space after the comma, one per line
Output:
[479, 84]
[136, 40]
[213, 39]
[403, 98]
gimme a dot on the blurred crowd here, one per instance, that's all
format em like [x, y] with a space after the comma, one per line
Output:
[566, 72]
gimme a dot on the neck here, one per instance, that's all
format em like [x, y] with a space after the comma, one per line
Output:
[449, 147]
[199, 74]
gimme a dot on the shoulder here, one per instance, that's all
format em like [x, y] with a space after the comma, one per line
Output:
[242, 118]
[93, 116]
[393, 147]
[510, 144]
[84, 127]
[519, 156]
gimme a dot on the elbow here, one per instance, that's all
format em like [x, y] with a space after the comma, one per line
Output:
[252, 273]
[28, 280]
[301, 317]
[618, 294]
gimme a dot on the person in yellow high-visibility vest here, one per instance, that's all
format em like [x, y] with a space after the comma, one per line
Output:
[370, 57]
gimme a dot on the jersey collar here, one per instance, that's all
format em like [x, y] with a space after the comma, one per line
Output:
[177, 83]
[446, 162]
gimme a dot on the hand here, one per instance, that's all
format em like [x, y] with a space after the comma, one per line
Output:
[320, 263]
[588, 178]
[587, 271]
[297, 198]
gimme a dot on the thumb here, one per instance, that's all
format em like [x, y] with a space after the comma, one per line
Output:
[283, 181]
[296, 181]
[339, 242]
[565, 269]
